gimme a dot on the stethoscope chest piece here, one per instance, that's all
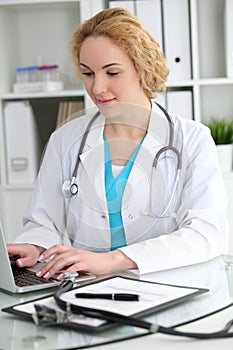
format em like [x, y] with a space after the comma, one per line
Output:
[70, 188]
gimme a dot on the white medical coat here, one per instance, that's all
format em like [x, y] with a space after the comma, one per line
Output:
[192, 230]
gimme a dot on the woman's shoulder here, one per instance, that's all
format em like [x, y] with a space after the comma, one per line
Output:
[75, 128]
[194, 136]
[189, 126]
[181, 124]
[69, 135]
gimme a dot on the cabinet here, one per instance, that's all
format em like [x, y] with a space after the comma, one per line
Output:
[33, 32]
[208, 83]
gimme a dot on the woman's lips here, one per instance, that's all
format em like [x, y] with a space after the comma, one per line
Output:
[105, 101]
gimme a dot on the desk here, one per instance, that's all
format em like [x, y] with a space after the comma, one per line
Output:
[216, 275]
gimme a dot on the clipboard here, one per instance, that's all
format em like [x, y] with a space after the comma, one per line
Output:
[153, 297]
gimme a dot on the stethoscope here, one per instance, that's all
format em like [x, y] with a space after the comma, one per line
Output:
[46, 316]
[70, 187]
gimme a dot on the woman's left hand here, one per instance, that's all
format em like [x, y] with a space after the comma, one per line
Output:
[68, 259]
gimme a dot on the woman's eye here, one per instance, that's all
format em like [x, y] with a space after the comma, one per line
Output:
[112, 73]
[87, 73]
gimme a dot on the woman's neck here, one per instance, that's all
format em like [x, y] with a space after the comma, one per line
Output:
[125, 132]
[131, 124]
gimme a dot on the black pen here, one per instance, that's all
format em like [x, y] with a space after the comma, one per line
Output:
[111, 296]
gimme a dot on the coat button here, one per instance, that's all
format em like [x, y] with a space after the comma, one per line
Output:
[130, 216]
[103, 216]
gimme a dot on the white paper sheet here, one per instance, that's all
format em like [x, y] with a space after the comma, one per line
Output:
[151, 295]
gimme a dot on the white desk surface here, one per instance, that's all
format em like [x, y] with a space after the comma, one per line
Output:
[18, 334]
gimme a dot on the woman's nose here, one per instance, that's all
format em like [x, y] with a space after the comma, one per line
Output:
[99, 86]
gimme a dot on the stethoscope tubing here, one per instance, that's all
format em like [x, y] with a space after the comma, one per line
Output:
[71, 189]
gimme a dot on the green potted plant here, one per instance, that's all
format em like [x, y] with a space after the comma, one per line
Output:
[222, 133]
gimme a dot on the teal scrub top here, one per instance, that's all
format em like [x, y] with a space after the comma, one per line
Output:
[114, 190]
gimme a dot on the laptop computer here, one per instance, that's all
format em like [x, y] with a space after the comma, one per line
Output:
[20, 280]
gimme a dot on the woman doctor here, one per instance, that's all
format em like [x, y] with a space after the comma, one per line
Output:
[147, 193]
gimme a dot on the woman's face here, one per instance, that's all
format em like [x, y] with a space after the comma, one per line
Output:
[109, 75]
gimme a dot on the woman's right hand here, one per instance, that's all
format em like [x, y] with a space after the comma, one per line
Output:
[26, 254]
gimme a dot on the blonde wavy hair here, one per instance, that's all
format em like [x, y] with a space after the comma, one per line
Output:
[124, 29]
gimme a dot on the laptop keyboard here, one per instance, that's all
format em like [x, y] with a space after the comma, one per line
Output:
[25, 278]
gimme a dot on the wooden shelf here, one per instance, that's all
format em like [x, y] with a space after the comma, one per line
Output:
[29, 95]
